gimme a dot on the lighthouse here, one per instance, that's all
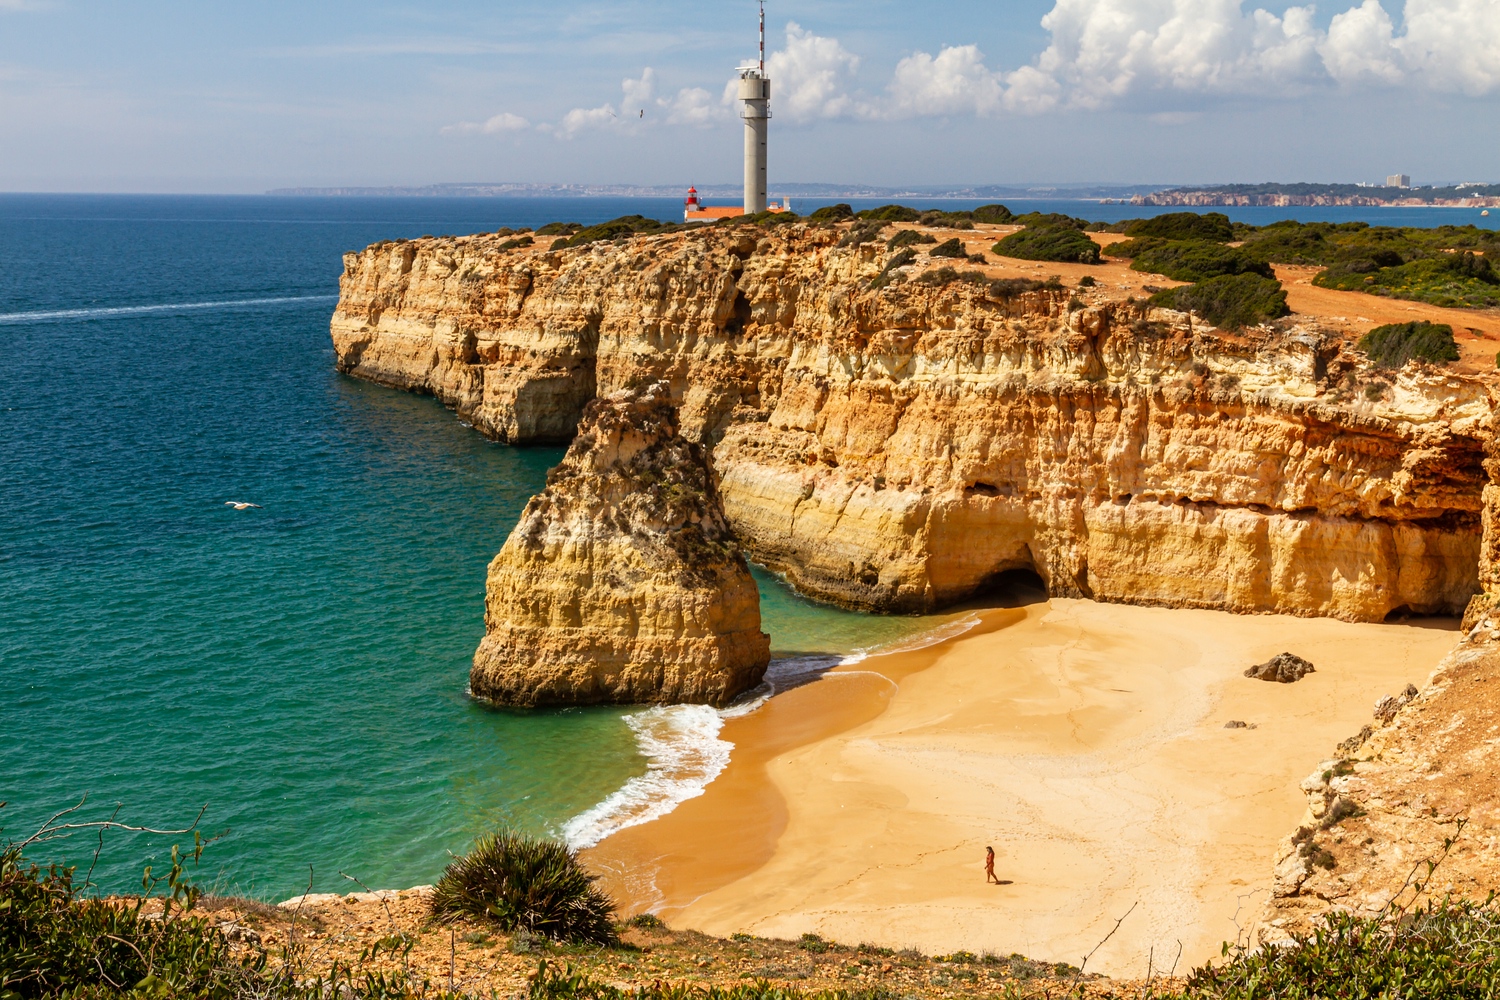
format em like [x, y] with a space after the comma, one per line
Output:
[755, 96]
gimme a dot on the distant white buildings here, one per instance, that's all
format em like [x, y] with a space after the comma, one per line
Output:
[1398, 181]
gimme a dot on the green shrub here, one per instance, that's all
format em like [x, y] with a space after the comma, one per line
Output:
[862, 232]
[832, 213]
[1043, 220]
[1087, 281]
[1212, 226]
[901, 259]
[1005, 289]
[1450, 950]
[908, 237]
[891, 213]
[625, 225]
[552, 984]
[1197, 260]
[1229, 301]
[53, 943]
[1459, 280]
[523, 883]
[560, 228]
[1127, 249]
[519, 241]
[951, 248]
[648, 921]
[1394, 344]
[1062, 244]
[813, 943]
[995, 214]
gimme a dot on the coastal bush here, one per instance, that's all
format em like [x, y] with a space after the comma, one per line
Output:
[1212, 226]
[1127, 249]
[909, 237]
[832, 213]
[552, 983]
[901, 259]
[1394, 344]
[950, 248]
[1087, 281]
[559, 229]
[994, 214]
[1197, 260]
[891, 213]
[525, 884]
[55, 943]
[1447, 950]
[862, 232]
[1063, 244]
[1229, 301]
[519, 241]
[1457, 280]
[625, 225]
[1043, 220]
[1005, 289]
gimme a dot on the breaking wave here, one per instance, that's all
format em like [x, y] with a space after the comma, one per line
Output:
[684, 752]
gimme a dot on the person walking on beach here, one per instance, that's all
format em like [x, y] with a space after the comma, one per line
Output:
[989, 866]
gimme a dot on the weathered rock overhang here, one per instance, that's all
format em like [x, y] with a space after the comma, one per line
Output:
[894, 449]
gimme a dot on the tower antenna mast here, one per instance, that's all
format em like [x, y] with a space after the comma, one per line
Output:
[762, 36]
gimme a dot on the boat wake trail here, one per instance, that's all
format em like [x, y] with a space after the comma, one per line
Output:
[118, 312]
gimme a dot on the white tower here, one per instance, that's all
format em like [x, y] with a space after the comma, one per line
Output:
[755, 92]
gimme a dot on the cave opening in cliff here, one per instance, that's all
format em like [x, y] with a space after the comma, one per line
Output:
[739, 316]
[1012, 588]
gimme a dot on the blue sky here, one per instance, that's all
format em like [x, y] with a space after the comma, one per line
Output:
[214, 96]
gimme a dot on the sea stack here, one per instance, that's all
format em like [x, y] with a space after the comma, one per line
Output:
[623, 581]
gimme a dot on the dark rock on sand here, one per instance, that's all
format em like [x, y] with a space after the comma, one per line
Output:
[1283, 668]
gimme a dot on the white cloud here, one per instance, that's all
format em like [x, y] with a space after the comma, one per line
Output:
[1453, 44]
[498, 125]
[638, 93]
[1360, 47]
[1105, 52]
[583, 119]
[955, 81]
[691, 106]
[809, 77]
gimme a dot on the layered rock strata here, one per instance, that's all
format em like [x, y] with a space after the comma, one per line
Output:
[623, 581]
[896, 448]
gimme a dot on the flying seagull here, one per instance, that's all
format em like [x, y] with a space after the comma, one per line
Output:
[241, 505]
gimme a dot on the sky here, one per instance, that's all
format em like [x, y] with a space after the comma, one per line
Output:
[213, 96]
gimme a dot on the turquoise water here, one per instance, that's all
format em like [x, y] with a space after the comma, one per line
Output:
[299, 668]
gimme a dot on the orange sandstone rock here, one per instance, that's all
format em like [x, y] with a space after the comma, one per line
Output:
[623, 581]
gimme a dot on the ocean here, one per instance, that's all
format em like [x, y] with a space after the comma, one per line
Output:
[297, 671]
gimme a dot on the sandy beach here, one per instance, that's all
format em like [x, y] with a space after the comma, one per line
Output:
[1086, 742]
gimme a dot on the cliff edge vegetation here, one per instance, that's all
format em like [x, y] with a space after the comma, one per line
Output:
[892, 433]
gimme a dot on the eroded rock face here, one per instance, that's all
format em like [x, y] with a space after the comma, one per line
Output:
[623, 581]
[895, 449]
[1283, 668]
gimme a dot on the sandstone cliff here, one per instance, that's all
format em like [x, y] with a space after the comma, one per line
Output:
[622, 582]
[895, 448]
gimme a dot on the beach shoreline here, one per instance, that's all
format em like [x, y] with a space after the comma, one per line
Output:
[1085, 741]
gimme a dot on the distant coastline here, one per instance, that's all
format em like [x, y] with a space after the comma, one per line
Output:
[1294, 195]
[509, 190]
[1146, 195]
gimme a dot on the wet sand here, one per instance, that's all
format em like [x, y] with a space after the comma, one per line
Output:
[1084, 741]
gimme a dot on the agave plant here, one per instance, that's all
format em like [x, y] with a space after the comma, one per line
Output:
[526, 884]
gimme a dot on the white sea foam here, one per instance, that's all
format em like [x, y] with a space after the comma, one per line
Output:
[683, 754]
[683, 750]
[115, 312]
